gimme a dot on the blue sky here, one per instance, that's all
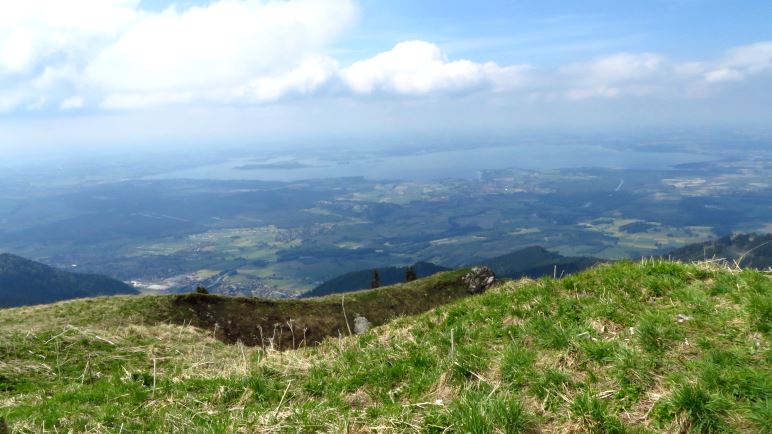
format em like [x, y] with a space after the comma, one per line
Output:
[98, 72]
[551, 32]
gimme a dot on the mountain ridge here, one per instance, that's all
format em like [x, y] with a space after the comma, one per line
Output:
[23, 282]
[754, 250]
[361, 279]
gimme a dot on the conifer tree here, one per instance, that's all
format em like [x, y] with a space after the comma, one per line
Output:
[410, 274]
[376, 282]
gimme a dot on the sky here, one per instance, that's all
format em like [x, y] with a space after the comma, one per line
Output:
[101, 73]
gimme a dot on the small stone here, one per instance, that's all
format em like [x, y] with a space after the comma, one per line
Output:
[681, 318]
[361, 325]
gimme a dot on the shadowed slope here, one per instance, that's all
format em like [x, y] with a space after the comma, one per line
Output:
[25, 282]
[294, 323]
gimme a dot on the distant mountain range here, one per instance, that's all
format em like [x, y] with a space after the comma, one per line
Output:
[26, 282]
[528, 262]
[753, 250]
[537, 262]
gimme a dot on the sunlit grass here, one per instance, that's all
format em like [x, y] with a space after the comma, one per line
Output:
[601, 351]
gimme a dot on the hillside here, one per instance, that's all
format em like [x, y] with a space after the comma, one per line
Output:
[755, 250]
[361, 279]
[293, 323]
[649, 346]
[25, 282]
[531, 262]
[536, 262]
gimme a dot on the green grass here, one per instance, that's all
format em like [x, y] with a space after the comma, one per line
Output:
[600, 352]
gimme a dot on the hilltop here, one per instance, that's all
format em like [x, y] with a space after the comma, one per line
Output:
[531, 262]
[649, 346]
[23, 281]
[361, 279]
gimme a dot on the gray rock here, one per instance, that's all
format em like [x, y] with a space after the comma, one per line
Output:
[361, 325]
[479, 280]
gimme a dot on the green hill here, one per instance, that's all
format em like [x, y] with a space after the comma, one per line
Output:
[754, 250]
[650, 346]
[537, 262]
[531, 262]
[25, 282]
[357, 280]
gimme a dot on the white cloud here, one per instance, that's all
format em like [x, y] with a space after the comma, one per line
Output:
[312, 74]
[114, 50]
[611, 76]
[33, 32]
[648, 74]
[223, 44]
[114, 55]
[741, 62]
[120, 101]
[723, 74]
[9, 101]
[411, 68]
[73, 102]
[419, 67]
[616, 68]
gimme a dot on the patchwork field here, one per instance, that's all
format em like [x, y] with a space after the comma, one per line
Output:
[279, 239]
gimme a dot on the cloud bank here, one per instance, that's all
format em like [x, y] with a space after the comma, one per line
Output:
[108, 55]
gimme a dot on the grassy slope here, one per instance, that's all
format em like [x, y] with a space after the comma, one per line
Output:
[600, 351]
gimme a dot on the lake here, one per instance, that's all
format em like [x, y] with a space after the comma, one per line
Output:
[456, 163]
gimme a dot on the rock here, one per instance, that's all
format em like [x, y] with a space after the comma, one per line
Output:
[361, 325]
[479, 280]
[681, 318]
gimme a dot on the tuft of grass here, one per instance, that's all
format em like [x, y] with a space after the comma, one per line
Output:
[550, 387]
[594, 415]
[699, 411]
[517, 365]
[469, 361]
[599, 351]
[634, 373]
[657, 330]
[480, 412]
